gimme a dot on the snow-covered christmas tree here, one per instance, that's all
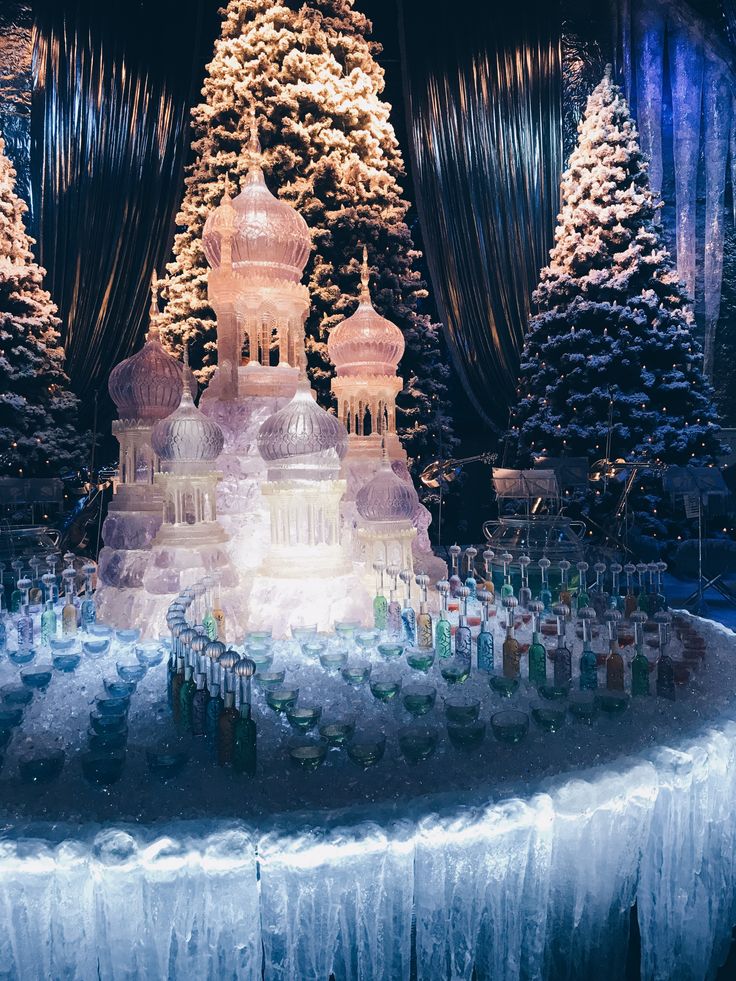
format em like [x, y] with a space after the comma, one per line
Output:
[609, 364]
[38, 413]
[309, 71]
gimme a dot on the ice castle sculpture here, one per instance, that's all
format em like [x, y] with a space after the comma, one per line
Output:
[386, 506]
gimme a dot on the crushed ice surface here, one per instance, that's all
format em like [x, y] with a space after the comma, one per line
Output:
[59, 717]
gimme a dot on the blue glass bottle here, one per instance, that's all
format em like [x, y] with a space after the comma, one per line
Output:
[408, 614]
[588, 659]
[463, 637]
[443, 633]
[484, 643]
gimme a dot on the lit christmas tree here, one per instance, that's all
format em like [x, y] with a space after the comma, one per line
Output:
[609, 364]
[39, 436]
[330, 150]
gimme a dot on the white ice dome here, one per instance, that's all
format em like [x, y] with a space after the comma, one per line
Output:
[187, 435]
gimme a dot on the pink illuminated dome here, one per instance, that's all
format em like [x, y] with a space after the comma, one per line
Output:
[223, 222]
[270, 239]
[365, 343]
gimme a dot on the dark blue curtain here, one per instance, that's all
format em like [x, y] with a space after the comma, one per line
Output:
[483, 92]
[113, 83]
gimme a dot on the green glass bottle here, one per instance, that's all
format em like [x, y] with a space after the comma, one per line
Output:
[186, 699]
[48, 623]
[507, 589]
[244, 750]
[640, 664]
[588, 659]
[214, 711]
[443, 632]
[537, 650]
[380, 603]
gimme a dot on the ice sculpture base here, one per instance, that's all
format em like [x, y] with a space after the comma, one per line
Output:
[278, 603]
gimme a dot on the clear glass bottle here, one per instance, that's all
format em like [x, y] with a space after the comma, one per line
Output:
[393, 614]
[511, 654]
[380, 603]
[424, 620]
[630, 603]
[588, 659]
[545, 593]
[226, 730]
[24, 623]
[616, 600]
[408, 613]
[563, 655]
[463, 637]
[640, 663]
[455, 580]
[443, 633]
[564, 594]
[488, 557]
[470, 581]
[48, 623]
[583, 595]
[614, 661]
[665, 664]
[537, 650]
[88, 609]
[525, 594]
[661, 597]
[484, 644]
[69, 610]
[200, 698]
[35, 594]
[507, 589]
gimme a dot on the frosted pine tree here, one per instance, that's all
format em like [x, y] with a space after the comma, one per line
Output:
[310, 74]
[611, 338]
[38, 413]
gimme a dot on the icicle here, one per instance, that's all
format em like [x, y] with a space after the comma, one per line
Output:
[686, 75]
[649, 41]
[717, 113]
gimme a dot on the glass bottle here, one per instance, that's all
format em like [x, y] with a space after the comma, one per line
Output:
[563, 655]
[507, 589]
[380, 603]
[24, 623]
[226, 730]
[171, 668]
[424, 620]
[443, 633]
[598, 595]
[661, 598]
[408, 614]
[35, 594]
[615, 601]
[484, 644]
[583, 595]
[69, 611]
[511, 654]
[176, 685]
[393, 614]
[652, 589]
[186, 698]
[463, 637]
[215, 705]
[640, 663]
[48, 623]
[630, 603]
[588, 659]
[545, 593]
[208, 621]
[470, 581]
[88, 608]
[525, 594]
[217, 611]
[52, 562]
[455, 580]
[200, 698]
[244, 752]
[614, 661]
[488, 557]
[537, 650]
[665, 664]
[643, 599]
[565, 596]
[16, 597]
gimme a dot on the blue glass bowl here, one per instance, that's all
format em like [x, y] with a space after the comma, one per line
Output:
[41, 767]
[119, 689]
[165, 761]
[103, 769]
[149, 655]
[66, 662]
[10, 717]
[21, 657]
[96, 647]
[62, 645]
[128, 636]
[112, 706]
[108, 722]
[38, 676]
[16, 695]
[131, 672]
[107, 742]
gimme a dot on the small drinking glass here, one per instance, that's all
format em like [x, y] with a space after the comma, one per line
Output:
[367, 748]
[418, 699]
[417, 743]
[510, 726]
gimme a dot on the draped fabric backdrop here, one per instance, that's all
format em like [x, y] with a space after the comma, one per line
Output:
[484, 91]
[113, 85]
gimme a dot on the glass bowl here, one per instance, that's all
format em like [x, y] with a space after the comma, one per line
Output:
[103, 769]
[258, 637]
[96, 647]
[461, 709]
[466, 735]
[62, 645]
[333, 659]
[10, 717]
[582, 707]
[42, 766]
[308, 755]
[338, 731]
[356, 673]
[390, 650]
[304, 717]
[149, 655]
[417, 743]
[510, 726]
[366, 640]
[128, 636]
[66, 663]
[261, 656]
[418, 699]
[166, 761]
[554, 692]
[21, 657]
[346, 628]
[282, 698]
[505, 687]
[119, 689]
[131, 671]
[267, 680]
[108, 722]
[301, 634]
[112, 706]
[420, 658]
[312, 648]
[99, 630]
[455, 672]
[367, 748]
[16, 695]
[106, 742]
[384, 689]
[550, 717]
[612, 702]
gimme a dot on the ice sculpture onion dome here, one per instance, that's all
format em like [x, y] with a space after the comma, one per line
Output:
[386, 497]
[365, 343]
[302, 440]
[272, 240]
[223, 222]
[187, 435]
[147, 386]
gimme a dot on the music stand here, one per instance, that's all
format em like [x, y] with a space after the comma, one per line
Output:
[695, 485]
